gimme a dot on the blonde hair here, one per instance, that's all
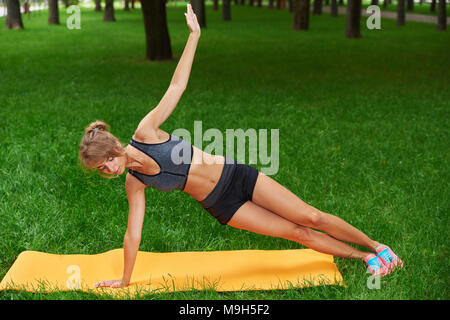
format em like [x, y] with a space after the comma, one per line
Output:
[98, 145]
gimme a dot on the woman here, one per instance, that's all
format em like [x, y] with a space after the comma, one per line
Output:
[234, 193]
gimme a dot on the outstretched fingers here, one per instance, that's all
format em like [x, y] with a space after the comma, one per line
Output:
[191, 19]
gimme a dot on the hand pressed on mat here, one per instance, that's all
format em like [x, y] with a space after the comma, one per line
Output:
[111, 284]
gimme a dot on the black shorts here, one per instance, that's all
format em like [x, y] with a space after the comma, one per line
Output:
[234, 188]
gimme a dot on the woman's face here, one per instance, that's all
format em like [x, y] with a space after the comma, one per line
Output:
[113, 165]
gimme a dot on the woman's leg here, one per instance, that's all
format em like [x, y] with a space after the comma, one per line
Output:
[272, 196]
[254, 218]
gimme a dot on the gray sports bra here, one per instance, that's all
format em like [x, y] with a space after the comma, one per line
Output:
[174, 158]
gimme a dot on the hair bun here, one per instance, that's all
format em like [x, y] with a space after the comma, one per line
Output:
[100, 125]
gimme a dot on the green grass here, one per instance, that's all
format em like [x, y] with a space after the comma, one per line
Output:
[363, 135]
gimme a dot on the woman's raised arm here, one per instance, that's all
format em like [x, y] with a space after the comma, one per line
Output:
[155, 118]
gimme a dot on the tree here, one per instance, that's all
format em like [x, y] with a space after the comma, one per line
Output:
[410, 5]
[198, 6]
[98, 5]
[334, 8]
[156, 31]
[442, 16]
[26, 8]
[301, 15]
[127, 5]
[226, 10]
[53, 13]
[433, 6]
[109, 11]
[291, 6]
[13, 16]
[353, 19]
[401, 13]
[317, 9]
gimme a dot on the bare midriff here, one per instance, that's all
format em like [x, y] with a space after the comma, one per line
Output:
[204, 173]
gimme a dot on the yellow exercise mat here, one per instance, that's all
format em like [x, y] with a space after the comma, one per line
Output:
[174, 271]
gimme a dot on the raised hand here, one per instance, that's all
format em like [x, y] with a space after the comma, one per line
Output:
[191, 20]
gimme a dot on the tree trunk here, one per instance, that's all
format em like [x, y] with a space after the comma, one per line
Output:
[109, 11]
[442, 16]
[156, 31]
[410, 5]
[259, 3]
[301, 15]
[291, 6]
[270, 4]
[353, 19]
[374, 2]
[127, 5]
[226, 10]
[401, 13]
[216, 5]
[198, 6]
[53, 13]
[13, 17]
[317, 9]
[341, 2]
[98, 5]
[26, 7]
[334, 8]
[433, 6]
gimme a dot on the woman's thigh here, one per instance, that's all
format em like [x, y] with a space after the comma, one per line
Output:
[276, 198]
[254, 218]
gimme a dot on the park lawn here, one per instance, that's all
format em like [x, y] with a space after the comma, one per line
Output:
[363, 127]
